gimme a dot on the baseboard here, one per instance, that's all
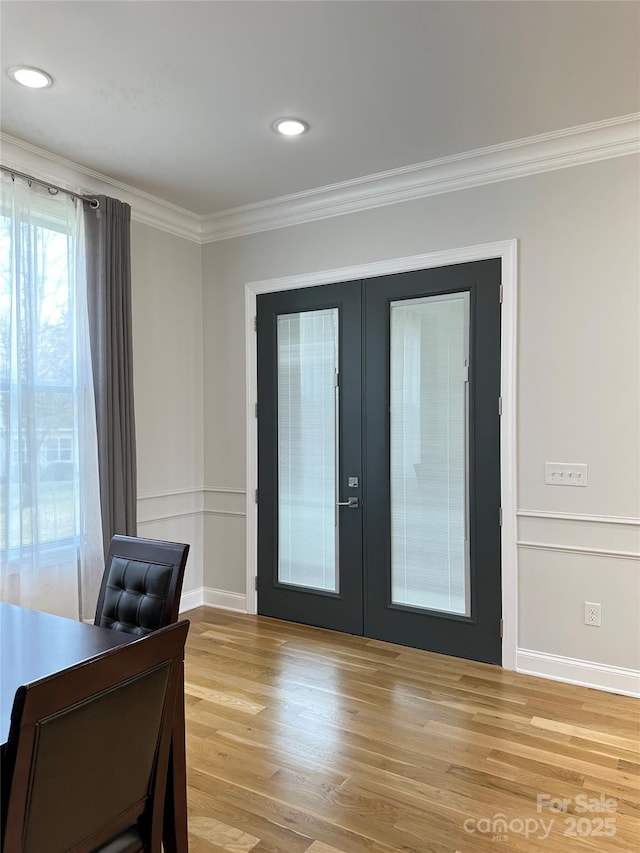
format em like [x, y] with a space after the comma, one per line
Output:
[210, 597]
[191, 599]
[226, 600]
[612, 679]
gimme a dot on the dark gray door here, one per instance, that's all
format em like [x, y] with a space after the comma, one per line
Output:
[378, 458]
[432, 478]
[309, 450]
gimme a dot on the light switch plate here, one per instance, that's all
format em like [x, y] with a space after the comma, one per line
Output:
[565, 474]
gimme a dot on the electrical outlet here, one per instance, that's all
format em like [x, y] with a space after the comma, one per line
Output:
[592, 614]
[565, 474]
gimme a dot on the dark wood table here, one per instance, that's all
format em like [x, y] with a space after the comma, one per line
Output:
[34, 645]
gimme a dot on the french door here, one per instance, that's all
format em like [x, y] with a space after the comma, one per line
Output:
[379, 458]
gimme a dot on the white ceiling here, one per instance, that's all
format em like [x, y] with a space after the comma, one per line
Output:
[177, 98]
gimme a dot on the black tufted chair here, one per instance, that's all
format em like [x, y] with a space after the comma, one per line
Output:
[141, 584]
[88, 750]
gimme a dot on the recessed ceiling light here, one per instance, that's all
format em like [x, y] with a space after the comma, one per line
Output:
[34, 78]
[290, 126]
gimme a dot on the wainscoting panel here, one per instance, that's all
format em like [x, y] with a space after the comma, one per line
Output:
[212, 520]
[608, 534]
[171, 504]
[223, 501]
[224, 523]
[176, 517]
[565, 560]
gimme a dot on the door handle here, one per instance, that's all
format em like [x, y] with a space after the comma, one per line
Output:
[352, 503]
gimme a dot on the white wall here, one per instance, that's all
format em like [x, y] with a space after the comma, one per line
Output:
[166, 280]
[578, 376]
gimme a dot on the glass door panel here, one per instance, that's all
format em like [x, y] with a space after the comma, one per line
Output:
[307, 366]
[429, 358]
[309, 347]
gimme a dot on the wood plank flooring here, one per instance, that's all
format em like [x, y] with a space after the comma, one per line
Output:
[301, 740]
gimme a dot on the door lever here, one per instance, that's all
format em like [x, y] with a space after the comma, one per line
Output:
[352, 503]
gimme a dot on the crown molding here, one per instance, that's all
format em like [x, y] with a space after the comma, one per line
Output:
[145, 208]
[546, 152]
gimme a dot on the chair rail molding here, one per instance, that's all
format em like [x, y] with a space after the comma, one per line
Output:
[189, 501]
[169, 517]
[577, 549]
[507, 251]
[225, 512]
[224, 491]
[169, 493]
[569, 516]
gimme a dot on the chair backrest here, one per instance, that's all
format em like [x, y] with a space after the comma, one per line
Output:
[88, 750]
[141, 584]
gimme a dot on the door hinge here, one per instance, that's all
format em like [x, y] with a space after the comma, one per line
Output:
[500, 406]
[501, 626]
[336, 379]
[256, 496]
[501, 294]
[500, 516]
[255, 324]
[465, 370]
[255, 410]
[255, 586]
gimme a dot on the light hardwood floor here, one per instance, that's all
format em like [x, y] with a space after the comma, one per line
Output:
[301, 740]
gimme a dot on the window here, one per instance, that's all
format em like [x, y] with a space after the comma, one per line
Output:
[37, 423]
[48, 473]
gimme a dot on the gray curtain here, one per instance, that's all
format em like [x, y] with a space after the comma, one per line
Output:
[109, 297]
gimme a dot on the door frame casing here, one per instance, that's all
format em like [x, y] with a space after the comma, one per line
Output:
[507, 251]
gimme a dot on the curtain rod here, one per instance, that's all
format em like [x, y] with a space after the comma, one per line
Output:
[53, 189]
